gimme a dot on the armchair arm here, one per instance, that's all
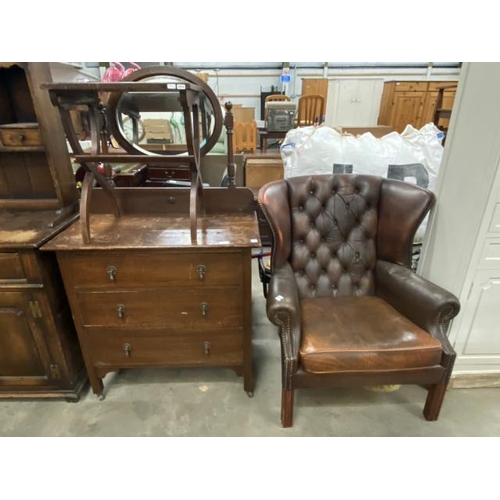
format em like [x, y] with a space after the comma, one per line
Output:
[426, 304]
[283, 309]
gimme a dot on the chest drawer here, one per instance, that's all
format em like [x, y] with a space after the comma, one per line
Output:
[11, 267]
[23, 267]
[163, 307]
[169, 173]
[20, 135]
[129, 350]
[115, 269]
[411, 86]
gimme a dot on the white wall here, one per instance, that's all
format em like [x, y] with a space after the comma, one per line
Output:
[72, 72]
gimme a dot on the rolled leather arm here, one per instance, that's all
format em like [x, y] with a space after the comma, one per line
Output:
[283, 309]
[427, 305]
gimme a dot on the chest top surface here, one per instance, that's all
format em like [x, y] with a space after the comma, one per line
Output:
[160, 232]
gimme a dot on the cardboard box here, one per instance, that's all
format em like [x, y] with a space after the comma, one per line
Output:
[377, 130]
[260, 171]
[158, 130]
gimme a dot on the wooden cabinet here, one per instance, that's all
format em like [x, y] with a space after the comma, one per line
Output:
[23, 352]
[412, 103]
[34, 162]
[159, 304]
[407, 109]
[431, 99]
[315, 86]
[39, 351]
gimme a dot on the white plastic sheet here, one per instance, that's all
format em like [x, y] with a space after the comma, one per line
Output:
[314, 150]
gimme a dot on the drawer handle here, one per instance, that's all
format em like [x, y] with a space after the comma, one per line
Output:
[204, 309]
[21, 137]
[206, 347]
[201, 270]
[128, 349]
[120, 310]
[111, 270]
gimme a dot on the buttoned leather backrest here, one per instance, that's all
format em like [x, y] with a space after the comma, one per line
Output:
[332, 229]
[333, 233]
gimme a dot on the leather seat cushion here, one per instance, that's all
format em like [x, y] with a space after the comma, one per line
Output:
[361, 334]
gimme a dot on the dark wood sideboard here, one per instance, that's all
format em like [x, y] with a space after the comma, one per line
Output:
[39, 351]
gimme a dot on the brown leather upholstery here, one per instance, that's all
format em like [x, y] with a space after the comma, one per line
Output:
[333, 230]
[341, 292]
[397, 227]
[377, 337]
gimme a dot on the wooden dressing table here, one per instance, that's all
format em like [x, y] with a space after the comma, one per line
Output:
[158, 276]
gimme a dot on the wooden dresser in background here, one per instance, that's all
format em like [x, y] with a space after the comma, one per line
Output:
[316, 86]
[39, 350]
[413, 103]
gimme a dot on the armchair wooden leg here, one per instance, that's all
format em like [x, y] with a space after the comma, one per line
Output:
[434, 401]
[287, 397]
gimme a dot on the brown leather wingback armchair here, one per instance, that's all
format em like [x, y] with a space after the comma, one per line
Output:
[349, 309]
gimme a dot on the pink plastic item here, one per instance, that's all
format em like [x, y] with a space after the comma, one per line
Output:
[128, 71]
[117, 72]
[114, 73]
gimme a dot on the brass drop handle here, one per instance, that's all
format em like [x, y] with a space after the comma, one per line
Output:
[111, 270]
[128, 349]
[204, 309]
[21, 137]
[206, 347]
[201, 270]
[120, 310]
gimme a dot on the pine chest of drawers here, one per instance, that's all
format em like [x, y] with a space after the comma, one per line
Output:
[170, 306]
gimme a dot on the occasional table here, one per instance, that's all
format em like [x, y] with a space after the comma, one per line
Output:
[265, 135]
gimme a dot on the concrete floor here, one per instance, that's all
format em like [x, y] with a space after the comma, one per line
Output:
[212, 402]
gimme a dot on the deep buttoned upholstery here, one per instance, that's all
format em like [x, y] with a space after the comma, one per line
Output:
[348, 308]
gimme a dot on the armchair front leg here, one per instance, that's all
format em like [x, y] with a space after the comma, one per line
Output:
[283, 310]
[428, 306]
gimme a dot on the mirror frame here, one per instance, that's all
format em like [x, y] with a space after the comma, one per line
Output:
[114, 99]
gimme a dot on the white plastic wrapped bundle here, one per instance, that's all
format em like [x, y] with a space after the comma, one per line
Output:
[314, 150]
